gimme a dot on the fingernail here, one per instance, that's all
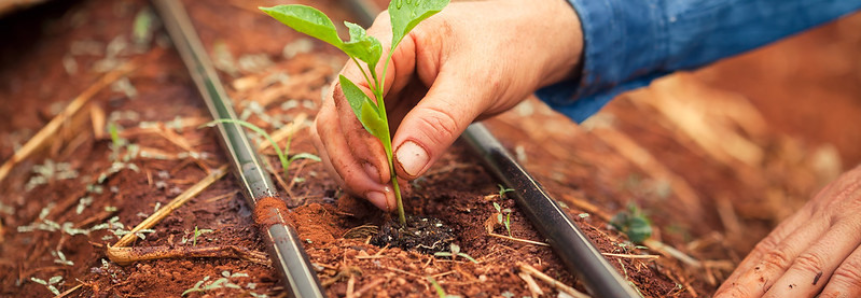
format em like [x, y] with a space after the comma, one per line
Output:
[378, 199]
[372, 172]
[412, 157]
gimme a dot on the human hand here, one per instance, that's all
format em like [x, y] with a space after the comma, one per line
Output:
[815, 251]
[471, 61]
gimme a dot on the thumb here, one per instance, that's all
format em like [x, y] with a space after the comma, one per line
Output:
[435, 123]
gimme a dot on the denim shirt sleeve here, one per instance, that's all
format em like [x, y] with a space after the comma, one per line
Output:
[628, 43]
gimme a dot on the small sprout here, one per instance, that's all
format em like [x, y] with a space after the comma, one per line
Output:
[198, 233]
[503, 190]
[60, 258]
[455, 252]
[50, 283]
[83, 203]
[583, 215]
[282, 155]
[633, 223]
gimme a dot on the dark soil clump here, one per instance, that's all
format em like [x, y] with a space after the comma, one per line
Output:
[423, 234]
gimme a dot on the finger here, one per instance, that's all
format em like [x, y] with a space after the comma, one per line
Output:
[817, 262]
[846, 281]
[367, 149]
[435, 123]
[346, 166]
[324, 155]
[767, 244]
[772, 259]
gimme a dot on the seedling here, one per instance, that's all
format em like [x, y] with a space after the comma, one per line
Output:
[405, 15]
[282, 155]
[633, 223]
[503, 216]
[51, 283]
[455, 252]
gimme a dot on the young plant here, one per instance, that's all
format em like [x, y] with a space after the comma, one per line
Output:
[633, 223]
[282, 155]
[405, 15]
[506, 220]
[455, 252]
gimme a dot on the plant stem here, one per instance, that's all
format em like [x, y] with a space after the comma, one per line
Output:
[387, 144]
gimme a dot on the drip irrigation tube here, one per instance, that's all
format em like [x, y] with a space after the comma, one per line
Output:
[270, 213]
[566, 239]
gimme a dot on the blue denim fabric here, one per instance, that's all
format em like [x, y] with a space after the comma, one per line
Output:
[629, 43]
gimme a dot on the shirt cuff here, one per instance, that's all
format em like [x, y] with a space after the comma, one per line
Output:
[620, 44]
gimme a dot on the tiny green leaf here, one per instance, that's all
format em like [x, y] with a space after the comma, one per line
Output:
[307, 20]
[406, 14]
[363, 46]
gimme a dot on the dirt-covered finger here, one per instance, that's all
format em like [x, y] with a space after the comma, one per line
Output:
[818, 262]
[846, 280]
[771, 258]
[366, 148]
[348, 168]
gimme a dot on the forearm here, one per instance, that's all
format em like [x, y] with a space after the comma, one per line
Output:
[628, 43]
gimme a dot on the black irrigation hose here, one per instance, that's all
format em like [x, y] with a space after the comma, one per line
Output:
[569, 242]
[270, 213]
[571, 245]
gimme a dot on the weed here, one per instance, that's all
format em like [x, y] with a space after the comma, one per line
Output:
[51, 283]
[455, 252]
[361, 46]
[282, 155]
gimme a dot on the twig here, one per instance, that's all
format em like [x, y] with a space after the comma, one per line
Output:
[46, 133]
[534, 289]
[351, 286]
[69, 291]
[518, 239]
[127, 255]
[672, 252]
[553, 282]
[156, 217]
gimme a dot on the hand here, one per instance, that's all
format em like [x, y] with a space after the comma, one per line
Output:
[471, 61]
[815, 251]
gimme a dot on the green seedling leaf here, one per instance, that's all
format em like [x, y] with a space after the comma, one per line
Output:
[363, 46]
[307, 20]
[406, 14]
[364, 108]
[634, 224]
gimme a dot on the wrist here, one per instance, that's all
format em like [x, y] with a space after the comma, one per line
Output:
[561, 42]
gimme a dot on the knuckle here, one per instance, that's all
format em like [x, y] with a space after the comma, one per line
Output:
[848, 275]
[442, 124]
[776, 258]
[809, 262]
[766, 245]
